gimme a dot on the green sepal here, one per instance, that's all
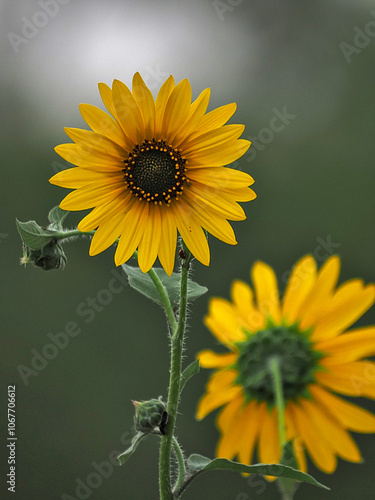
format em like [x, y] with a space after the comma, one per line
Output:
[144, 285]
[34, 236]
[196, 464]
[124, 457]
[287, 486]
[189, 371]
[56, 217]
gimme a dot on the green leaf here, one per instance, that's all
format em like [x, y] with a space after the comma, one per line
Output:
[33, 235]
[57, 216]
[189, 371]
[144, 285]
[124, 457]
[198, 464]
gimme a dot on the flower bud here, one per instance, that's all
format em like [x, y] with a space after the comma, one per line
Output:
[50, 257]
[150, 415]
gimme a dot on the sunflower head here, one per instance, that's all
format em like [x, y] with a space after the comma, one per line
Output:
[151, 169]
[306, 331]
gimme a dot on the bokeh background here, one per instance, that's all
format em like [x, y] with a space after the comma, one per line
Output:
[315, 184]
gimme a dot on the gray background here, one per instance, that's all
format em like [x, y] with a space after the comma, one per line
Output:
[314, 180]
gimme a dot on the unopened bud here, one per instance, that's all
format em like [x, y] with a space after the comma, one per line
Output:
[50, 257]
[150, 415]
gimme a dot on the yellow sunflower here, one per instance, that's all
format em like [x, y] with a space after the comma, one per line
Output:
[155, 168]
[306, 331]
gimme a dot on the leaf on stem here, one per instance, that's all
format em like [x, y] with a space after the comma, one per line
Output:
[57, 216]
[33, 235]
[189, 371]
[144, 285]
[198, 464]
[124, 457]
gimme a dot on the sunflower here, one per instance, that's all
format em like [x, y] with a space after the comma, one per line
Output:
[155, 169]
[306, 331]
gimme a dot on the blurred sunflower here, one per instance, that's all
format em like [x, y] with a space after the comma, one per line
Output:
[153, 169]
[306, 332]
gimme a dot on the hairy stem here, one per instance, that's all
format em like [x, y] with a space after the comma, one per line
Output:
[177, 341]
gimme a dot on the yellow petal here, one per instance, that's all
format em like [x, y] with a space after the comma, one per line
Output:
[94, 142]
[87, 158]
[318, 448]
[232, 434]
[321, 292]
[348, 304]
[350, 416]
[223, 322]
[213, 138]
[356, 378]
[93, 194]
[292, 435]
[99, 121]
[176, 110]
[219, 155]
[145, 101]
[215, 119]
[215, 399]
[269, 448]
[106, 95]
[132, 231]
[99, 214]
[251, 423]
[191, 232]
[266, 291]
[300, 283]
[168, 240]
[77, 177]
[229, 413]
[209, 220]
[149, 244]
[220, 178]
[204, 196]
[160, 104]
[128, 112]
[106, 234]
[350, 346]
[209, 359]
[196, 112]
[243, 298]
[332, 431]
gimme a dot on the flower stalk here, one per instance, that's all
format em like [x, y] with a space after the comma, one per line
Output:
[177, 340]
[274, 367]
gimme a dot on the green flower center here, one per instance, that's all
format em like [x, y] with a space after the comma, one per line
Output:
[297, 360]
[155, 172]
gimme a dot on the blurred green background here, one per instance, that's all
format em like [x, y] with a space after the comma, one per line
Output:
[314, 179]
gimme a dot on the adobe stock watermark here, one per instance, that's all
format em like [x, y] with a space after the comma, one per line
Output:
[362, 38]
[3, 236]
[266, 135]
[57, 342]
[31, 27]
[154, 77]
[84, 488]
[222, 8]
[363, 381]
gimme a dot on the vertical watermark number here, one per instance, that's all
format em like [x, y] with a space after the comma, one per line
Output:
[11, 439]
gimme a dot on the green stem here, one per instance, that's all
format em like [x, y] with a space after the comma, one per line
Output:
[165, 299]
[274, 365]
[177, 341]
[181, 464]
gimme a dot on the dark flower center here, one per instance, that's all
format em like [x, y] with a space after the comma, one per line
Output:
[155, 172]
[298, 362]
